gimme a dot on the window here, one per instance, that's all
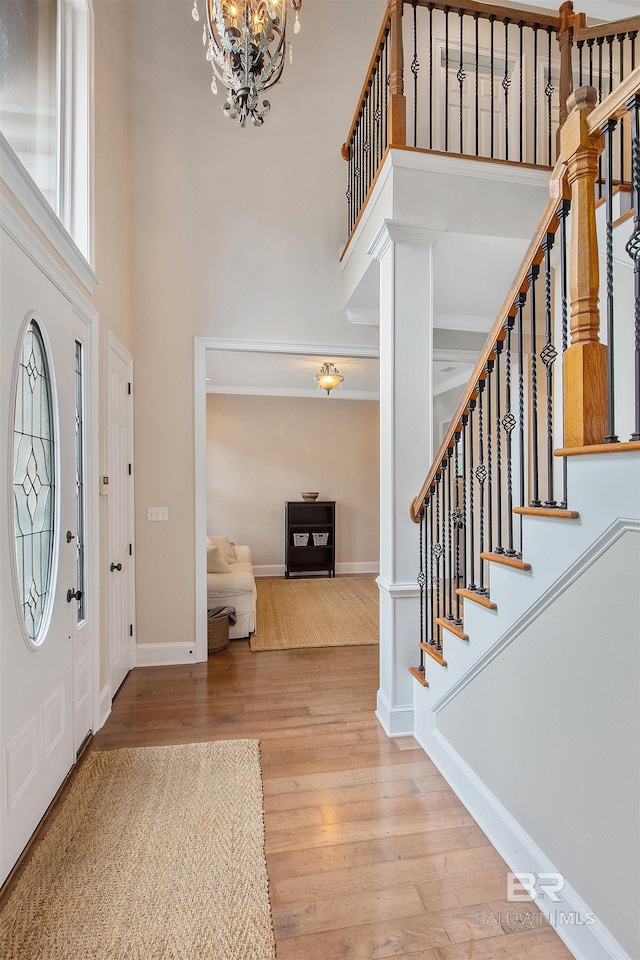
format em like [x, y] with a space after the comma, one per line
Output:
[45, 110]
[34, 483]
[28, 79]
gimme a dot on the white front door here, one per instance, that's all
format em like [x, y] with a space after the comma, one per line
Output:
[120, 511]
[38, 562]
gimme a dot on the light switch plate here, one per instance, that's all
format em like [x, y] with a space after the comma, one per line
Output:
[157, 513]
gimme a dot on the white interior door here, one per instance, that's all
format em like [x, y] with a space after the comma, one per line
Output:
[120, 511]
[37, 564]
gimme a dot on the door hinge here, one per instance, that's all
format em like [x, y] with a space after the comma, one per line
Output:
[130, 550]
[129, 469]
[130, 629]
[129, 389]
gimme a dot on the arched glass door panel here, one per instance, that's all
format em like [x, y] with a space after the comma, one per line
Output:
[34, 484]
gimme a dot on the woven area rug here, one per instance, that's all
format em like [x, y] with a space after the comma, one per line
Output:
[323, 612]
[157, 852]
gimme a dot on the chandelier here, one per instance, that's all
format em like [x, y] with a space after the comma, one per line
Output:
[328, 378]
[246, 47]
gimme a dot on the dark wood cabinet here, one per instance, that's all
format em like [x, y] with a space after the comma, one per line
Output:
[310, 532]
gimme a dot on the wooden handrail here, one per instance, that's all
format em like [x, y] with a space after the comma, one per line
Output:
[380, 43]
[548, 224]
[487, 10]
[612, 29]
[614, 106]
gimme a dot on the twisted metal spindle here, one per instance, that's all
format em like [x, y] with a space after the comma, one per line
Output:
[458, 523]
[498, 548]
[608, 128]
[481, 476]
[508, 423]
[548, 356]
[633, 249]
[471, 520]
[532, 277]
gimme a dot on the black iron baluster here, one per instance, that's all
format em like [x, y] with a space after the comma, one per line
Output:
[563, 213]
[464, 518]
[498, 548]
[448, 469]
[580, 45]
[610, 42]
[600, 42]
[471, 518]
[508, 423]
[506, 83]
[446, 79]
[431, 619]
[349, 192]
[431, 76]
[532, 277]
[421, 581]
[481, 476]
[385, 99]
[438, 549]
[521, 299]
[590, 44]
[458, 523]
[521, 130]
[535, 92]
[477, 117]
[492, 20]
[632, 37]
[548, 356]
[461, 75]
[548, 90]
[489, 432]
[633, 248]
[415, 66]
[608, 128]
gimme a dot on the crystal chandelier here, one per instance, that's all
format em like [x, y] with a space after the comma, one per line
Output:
[246, 47]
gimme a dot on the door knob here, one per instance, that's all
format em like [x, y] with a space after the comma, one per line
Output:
[115, 566]
[73, 595]
[70, 536]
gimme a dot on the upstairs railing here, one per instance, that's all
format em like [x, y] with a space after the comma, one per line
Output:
[544, 379]
[478, 80]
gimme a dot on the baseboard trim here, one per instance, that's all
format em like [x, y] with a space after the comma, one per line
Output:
[395, 721]
[164, 654]
[277, 569]
[105, 706]
[582, 932]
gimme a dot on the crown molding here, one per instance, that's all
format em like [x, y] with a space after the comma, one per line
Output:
[309, 394]
[364, 351]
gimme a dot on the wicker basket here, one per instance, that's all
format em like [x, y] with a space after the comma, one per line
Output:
[300, 539]
[217, 633]
[320, 539]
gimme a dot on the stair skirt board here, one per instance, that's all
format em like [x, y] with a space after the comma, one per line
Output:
[597, 548]
[584, 935]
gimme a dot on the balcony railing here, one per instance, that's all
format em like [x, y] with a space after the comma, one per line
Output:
[478, 80]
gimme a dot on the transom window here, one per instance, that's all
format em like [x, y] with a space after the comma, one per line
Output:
[34, 483]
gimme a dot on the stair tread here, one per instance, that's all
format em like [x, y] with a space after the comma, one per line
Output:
[419, 675]
[507, 561]
[436, 655]
[452, 627]
[477, 598]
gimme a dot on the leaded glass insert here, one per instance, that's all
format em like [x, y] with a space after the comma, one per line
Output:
[80, 578]
[33, 481]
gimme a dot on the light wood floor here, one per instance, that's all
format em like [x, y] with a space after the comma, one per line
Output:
[369, 853]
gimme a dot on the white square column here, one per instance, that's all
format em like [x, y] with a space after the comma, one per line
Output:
[405, 253]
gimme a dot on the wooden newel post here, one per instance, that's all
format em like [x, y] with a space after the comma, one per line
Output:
[397, 99]
[585, 360]
[565, 43]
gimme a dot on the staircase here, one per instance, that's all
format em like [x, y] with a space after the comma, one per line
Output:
[529, 558]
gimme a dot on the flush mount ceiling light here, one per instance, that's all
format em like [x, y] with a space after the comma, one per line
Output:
[328, 378]
[246, 46]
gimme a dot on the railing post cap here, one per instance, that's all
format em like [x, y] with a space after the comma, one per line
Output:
[584, 98]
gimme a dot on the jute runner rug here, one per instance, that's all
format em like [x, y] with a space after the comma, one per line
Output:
[157, 852]
[331, 612]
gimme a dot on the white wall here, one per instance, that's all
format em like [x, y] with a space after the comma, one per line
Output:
[236, 233]
[550, 726]
[262, 451]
